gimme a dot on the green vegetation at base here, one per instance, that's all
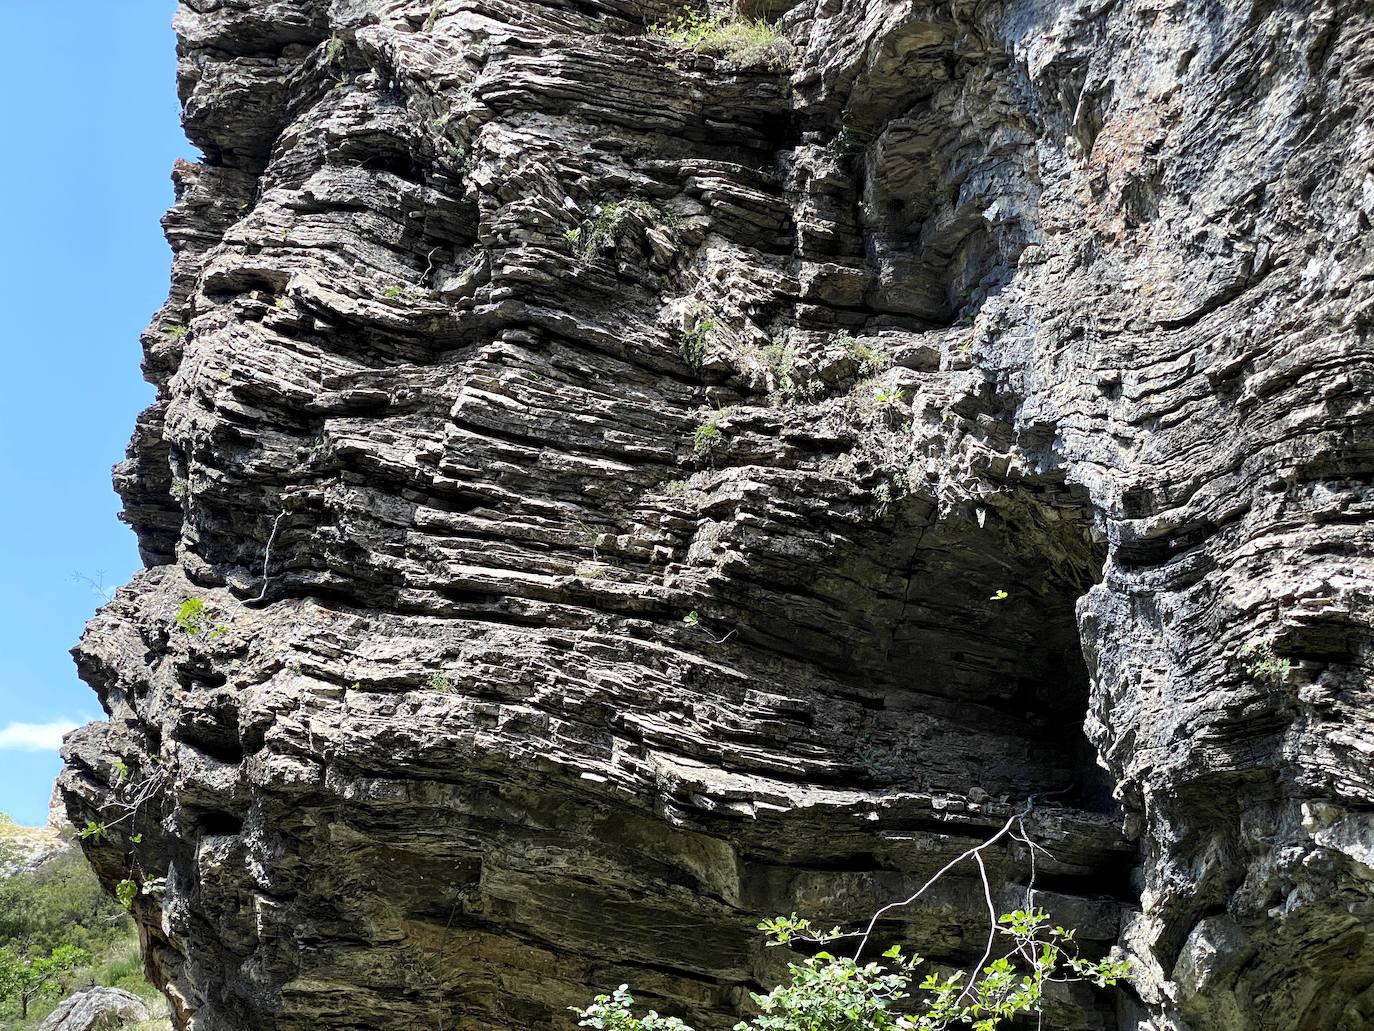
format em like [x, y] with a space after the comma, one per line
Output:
[60, 933]
[838, 993]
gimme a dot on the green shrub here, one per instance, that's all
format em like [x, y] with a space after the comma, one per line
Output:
[58, 929]
[26, 977]
[123, 968]
[612, 218]
[825, 992]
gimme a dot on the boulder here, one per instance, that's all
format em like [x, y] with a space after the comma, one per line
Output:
[97, 1009]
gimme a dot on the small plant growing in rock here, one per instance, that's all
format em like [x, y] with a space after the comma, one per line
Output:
[1263, 665]
[195, 618]
[601, 231]
[871, 760]
[708, 437]
[741, 44]
[882, 494]
[891, 488]
[845, 143]
[180, 489]
[175, 330]
[394, 291]
[780, 359]
[871, 359]
[887, 397]
[697, 340]
[693, 620]
[603, 227]
[441, 683]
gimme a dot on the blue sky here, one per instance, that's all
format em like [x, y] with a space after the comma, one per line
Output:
[91, 130]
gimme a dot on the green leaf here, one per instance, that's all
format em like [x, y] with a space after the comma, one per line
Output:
[126, 891]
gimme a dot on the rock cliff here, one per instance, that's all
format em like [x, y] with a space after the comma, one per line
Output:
[603, 491]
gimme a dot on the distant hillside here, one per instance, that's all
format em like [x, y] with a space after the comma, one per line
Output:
[25, 848]
[50, 901]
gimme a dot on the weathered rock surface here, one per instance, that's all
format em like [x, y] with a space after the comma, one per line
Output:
[25, 849]
[601, 465]
[97, 1009]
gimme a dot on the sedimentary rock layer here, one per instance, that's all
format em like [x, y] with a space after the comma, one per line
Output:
[601, 493]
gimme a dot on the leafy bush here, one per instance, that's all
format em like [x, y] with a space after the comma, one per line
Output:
[610, 220]
[60, 903]
[825, 992]
[871, 359]
[837, 993]
[441, 683]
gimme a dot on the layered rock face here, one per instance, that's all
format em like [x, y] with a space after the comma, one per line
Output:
[603, 492]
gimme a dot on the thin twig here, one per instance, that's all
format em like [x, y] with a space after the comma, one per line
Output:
[992, 926]
[267, 556]
[1006, 828]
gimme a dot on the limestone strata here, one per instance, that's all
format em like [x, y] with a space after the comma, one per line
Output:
[635, 491]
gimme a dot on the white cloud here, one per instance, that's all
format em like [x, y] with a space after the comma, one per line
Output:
[35, 737]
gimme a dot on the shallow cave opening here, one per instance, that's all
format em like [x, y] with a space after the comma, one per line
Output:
[975, 669]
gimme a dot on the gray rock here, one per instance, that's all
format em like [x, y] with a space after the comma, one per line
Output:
[503, 338]
[96, 1009]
